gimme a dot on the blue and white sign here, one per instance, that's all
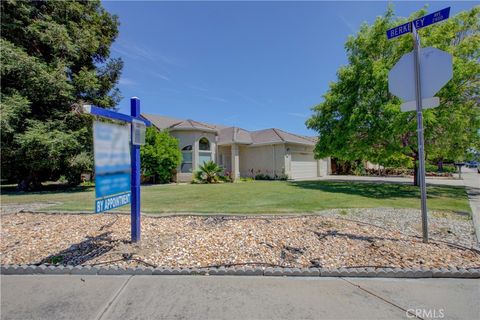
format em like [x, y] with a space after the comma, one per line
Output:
[419, 23]
[111, 144]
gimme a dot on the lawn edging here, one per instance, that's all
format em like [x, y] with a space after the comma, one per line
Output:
[368, 272]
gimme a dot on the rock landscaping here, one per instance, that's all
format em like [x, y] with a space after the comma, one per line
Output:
[378, 238]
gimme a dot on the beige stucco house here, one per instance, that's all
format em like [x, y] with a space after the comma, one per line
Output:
[242, 153]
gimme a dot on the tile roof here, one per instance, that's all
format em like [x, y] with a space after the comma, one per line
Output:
[228, 135]
[162, 122]
[234, 135]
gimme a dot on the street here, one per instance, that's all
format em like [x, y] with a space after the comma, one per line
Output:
[229, 297]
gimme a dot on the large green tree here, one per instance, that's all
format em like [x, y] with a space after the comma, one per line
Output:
[360, 120]
[54, 58]
[160, 155]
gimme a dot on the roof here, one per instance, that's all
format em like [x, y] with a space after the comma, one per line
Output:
[274, 135]
[162, 123]
[234, 135]
[229, 135]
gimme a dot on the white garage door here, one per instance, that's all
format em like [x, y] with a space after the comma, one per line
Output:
[303, 166]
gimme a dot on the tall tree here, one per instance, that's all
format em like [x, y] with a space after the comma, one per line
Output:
[360, 120]
[54, 57]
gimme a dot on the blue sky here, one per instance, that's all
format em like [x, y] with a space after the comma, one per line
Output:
[253, 65]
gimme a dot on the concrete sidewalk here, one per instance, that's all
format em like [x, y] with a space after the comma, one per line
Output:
[471, 181]
[225, 297]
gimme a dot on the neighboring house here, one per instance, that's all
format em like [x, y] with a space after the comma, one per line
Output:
[242, 153]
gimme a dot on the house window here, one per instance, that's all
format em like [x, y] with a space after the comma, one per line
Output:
[205, 154]
[204, 157]
[186, 165]
[204, 144]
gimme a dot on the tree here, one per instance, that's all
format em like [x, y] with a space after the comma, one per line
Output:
[160, 155]
[54, 57]
[360, 120]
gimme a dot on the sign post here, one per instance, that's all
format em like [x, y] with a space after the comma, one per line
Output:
[421, 151]
[135, 156]
[430, 69]
[121, 175]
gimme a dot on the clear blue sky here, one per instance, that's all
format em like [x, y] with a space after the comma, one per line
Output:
[253, 65]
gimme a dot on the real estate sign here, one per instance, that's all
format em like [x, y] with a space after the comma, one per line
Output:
[111, 144]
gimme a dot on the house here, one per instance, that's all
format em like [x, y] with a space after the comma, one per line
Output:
[242, 153]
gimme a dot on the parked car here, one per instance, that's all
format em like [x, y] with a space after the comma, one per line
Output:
[472, 164]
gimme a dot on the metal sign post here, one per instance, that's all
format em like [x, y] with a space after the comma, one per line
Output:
[421, 151]
[430, 69]
[134, 158]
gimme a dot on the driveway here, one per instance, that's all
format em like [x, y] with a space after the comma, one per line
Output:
[225, 297]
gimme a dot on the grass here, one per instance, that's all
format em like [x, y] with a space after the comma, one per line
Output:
[258, 197]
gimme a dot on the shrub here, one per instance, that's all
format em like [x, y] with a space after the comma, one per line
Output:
[78, 164]
[209, 172]
[160, 155]
[262, 176]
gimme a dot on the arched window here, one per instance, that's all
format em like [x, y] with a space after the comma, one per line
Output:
[204, 144]
[186, 165]
[205, 153]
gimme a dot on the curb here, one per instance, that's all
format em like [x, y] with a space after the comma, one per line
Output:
[471, 273]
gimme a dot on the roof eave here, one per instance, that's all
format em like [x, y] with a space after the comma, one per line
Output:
[193, 129]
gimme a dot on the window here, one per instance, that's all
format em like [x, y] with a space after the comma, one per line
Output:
[204, 157]
[186, 165]
[204, 144]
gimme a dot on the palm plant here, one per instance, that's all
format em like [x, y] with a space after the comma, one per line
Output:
[208, 172]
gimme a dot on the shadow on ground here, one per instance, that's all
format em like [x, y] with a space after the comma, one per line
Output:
[380, 190]
[79, 253]
[47, 189]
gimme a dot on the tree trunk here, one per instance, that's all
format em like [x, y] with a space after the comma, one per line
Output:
[440, 165]
[415, 172]
[29, 183]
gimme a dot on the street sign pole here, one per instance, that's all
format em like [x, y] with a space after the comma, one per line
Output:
[135, 160]
[421, 151]
[436, 69]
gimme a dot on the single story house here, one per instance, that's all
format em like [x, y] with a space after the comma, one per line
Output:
[242, 153]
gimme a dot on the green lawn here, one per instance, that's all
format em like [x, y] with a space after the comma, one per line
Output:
[260, 197]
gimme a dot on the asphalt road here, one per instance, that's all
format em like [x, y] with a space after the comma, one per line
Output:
[228, 297]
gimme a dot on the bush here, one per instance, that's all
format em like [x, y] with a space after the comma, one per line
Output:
[78, 164]
[209, 172]
[262, 176]
[358, 169]
[160, 155]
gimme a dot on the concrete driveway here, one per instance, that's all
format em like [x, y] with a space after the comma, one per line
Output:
[224, 297]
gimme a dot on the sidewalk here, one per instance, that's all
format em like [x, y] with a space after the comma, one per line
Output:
[225, 297]
[471, 181]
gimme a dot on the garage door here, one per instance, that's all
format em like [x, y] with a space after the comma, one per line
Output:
[303, 166]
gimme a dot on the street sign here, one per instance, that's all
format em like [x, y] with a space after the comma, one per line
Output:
[419, 23]
[112, 166]
[426, 104]
[416, 78]
[435, 71]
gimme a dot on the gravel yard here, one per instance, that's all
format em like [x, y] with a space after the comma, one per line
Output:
[331, 239]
